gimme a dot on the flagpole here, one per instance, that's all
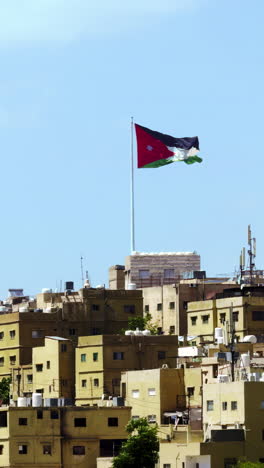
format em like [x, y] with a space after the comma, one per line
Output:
[132, 190]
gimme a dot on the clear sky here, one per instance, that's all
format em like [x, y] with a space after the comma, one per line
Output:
[72, 74]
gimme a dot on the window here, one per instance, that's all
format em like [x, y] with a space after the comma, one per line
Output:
[2, 360]
[210, 405]
[79, 422]
[78, 450]
[215, 371]
[112, 422]
[72, 331]
[129, 309]
[1, 449]
[159, 306]
[84, 383]
[262, 434]
[224, 405]
[172, 305]
[29, 378]
[2, 335]
[118, 356]
[40, 390]
[3, 419]
[261, 460]
[193, 320]
[46, 449]
[83, 357]
[146, 308]
[22, 449]
[143, 274]
[37, 333]
[39, 414]
[233, 405]
[22, 421]
[169, 273]
[166, 465]
[12, 360]
[190, 391]
[95, 357]
[95, 307]
[262, 404]
[50, 388]
[135, 393]
[54, 414]
[235, 316]
[222, 318]
[96, 331]
[185, 305]
[39, 367]
[135, 417]
[152, 391]
[48, 364]
[172, 330]
[152, 418]
[96, 382]
[12, 334]
[160, 332]
[205, 318]
[161, 354]
[258, 315]
[63, 348]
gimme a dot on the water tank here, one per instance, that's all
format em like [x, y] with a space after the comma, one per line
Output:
[23, 309]
[131, 286]
[250, 339]
[245, 360]
[21, 401]
[146, 332]
[69, 286]
[47, 310]
[46, 290]
[36, 399]
[129, 332]
[218, 332]
[118, 401]
[3, 309]
[220, 340]
[138, 332]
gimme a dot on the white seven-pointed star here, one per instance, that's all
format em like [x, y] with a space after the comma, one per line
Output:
[149, 148]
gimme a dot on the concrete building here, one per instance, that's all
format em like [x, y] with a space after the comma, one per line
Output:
[155, 393]
[154, 269]
[86, 312]
[242, 308]
[60, 437]
[101, 359]
[167, 304]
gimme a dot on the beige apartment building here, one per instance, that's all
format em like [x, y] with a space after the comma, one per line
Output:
[154, 393]
[60, 437]
[241, 308]
[101, 359]
[153, 269]
[86, 312]
[167, 304]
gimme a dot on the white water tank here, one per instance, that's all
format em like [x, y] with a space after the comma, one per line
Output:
[46, 290]
[129, 332]
[23, 309]
[36, 399]
[21, 401]
[245, 360]
[250, 339]
[47, 310]
[146, 332]
[138, 332]
[3, 309]
[219, 333]
[131, 286]
[220, 340]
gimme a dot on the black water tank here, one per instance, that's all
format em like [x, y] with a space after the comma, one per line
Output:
[69, 285]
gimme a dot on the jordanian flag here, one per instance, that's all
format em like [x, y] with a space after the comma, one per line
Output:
[157, 149]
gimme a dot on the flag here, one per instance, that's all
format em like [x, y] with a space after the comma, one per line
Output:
[157, 149]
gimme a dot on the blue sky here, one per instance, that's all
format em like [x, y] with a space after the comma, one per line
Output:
[72, 74]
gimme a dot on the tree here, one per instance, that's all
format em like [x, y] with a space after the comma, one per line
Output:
[5, 389]
[142, 323]
[142, 447]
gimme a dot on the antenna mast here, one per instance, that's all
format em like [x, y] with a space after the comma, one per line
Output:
[251, 253]
[82, 269]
